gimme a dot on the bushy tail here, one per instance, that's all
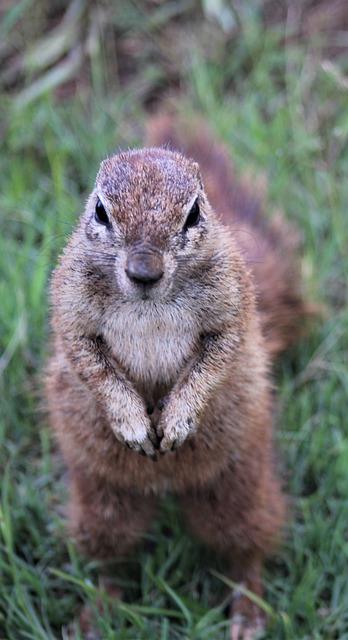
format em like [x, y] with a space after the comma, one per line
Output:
[269, 244]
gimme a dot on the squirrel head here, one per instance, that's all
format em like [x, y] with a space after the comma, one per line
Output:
[148, 223]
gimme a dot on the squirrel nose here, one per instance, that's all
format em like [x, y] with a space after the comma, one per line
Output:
[144, 267]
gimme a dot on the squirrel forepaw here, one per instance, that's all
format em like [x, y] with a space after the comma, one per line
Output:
[141, 439]
[175, 432]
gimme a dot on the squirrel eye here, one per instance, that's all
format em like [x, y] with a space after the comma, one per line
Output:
[193, 217]
[100, 214]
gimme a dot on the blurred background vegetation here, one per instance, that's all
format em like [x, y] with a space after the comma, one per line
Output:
[147, 47]
[77, 81]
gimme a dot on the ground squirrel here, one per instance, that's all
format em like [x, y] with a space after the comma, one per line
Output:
[167, 314]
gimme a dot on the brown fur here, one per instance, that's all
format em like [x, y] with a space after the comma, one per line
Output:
[195, 347]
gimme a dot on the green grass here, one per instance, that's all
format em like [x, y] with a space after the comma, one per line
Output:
[285, 116]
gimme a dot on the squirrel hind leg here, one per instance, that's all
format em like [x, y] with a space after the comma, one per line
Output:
[106, 522]
[242, 521]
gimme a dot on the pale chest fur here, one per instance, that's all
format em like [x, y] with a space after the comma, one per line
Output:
[152, 342]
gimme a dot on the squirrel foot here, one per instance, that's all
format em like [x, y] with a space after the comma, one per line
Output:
[86, 620]
[248, 621]
[244, 629]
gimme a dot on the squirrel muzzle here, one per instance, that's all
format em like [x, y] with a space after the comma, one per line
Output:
[144, 265]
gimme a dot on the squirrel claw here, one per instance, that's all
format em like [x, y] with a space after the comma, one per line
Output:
[147, 448]
[144, 448]
[155, 438]
[167, 444]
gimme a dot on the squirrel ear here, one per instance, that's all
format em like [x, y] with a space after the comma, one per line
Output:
[105, 169]
[197, 171]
